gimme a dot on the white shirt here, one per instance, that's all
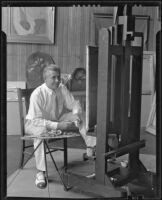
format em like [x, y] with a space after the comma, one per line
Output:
[42, 106]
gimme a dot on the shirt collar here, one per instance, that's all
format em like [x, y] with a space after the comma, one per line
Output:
[49, 90]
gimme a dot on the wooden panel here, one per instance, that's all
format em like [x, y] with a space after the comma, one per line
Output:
[158, 112]
[72, 34]
[65, 36]
[91, 86]
[78, 33]
[117, 96]
[91, 186]
[82, 38]
[59, 34]
[102, 104]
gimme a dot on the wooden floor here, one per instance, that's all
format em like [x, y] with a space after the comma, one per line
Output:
[13, 154]
[14, 147]
[21, 182]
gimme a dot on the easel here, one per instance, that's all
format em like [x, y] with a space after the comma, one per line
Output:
[121, 89]
[118, 109]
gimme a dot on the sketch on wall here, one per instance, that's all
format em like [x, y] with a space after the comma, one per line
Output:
[30, 24]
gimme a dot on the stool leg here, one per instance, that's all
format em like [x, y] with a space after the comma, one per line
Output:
[65, 187]
[22, 154]
[65, 154]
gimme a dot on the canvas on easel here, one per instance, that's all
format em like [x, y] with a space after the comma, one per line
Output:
[151, 123]
[91, 86]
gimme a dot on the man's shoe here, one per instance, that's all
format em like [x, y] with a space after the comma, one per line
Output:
[40, 180]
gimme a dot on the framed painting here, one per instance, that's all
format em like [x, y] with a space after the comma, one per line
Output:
[30, 24]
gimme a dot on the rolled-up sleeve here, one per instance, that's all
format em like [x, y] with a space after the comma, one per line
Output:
[70, 102]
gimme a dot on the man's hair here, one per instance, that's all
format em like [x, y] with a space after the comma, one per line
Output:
[51, 67]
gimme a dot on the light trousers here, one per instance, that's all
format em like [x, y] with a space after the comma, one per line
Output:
[31, 128]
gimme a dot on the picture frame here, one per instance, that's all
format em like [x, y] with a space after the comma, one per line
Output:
[102, 20]
[30, 25]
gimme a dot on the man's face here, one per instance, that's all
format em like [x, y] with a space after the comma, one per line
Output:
[52, 79]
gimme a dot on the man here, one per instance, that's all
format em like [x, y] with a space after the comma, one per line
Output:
[46, 113]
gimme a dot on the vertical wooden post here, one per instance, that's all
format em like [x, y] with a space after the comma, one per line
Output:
[117, 95]
[65, 153]
[102, 104]
[91, 86]
[125, 95]
[135, 111]
[158, 112]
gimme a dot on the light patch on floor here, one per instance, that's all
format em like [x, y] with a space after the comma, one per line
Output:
[21, 182]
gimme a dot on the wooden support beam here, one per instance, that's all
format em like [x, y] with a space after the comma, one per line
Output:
[136, 51]
[91, 87]
[113, 171]
[117, 50]
[128, 176]
[125, 94]
[135, 103]
[126, 149]
[103, 103]
[117, 94]
[92, 186]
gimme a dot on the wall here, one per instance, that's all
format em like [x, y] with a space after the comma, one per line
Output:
[72, 33]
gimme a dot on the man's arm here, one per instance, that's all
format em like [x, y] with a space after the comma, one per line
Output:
[35, 112]
[70, 102]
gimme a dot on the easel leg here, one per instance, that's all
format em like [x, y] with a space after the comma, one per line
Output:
[65, 154]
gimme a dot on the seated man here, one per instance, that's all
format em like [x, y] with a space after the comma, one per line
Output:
[46, 113]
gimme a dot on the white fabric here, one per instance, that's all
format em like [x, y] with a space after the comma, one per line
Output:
[89, 140]
[43, 105]
[41, 116]
[40, 178]
[37, 130]
[39, 155]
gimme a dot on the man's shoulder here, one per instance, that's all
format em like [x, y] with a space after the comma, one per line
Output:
[38, 91]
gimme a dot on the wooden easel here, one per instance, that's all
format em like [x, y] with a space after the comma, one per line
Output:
[118, 109]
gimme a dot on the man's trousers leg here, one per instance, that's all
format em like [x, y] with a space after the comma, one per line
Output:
[31, 129]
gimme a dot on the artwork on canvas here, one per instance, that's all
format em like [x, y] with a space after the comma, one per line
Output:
[30, 24]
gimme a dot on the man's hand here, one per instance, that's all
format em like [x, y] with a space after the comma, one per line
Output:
[66, 126]
[76, 119]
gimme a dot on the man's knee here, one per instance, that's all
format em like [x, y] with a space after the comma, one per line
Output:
[31, 129]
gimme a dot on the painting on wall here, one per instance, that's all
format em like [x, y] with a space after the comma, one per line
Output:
[31, 24]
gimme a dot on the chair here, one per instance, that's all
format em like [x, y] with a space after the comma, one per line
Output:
[24, 95]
